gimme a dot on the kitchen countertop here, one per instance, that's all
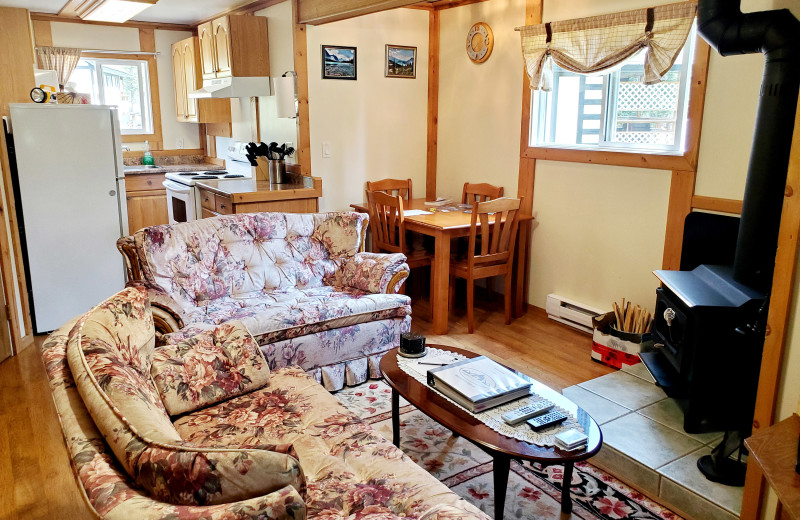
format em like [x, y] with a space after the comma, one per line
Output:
[167, 168]
[252, 190]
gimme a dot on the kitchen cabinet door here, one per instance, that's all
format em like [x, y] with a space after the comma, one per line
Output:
[222, 43]
[147, 208]
[179, 81]
[208, 61]
[189, 73]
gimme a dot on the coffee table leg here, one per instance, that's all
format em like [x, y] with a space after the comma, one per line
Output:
[395, 417]
[501, 466]
[566, 499]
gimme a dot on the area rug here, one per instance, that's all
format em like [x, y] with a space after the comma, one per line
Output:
[534, 492]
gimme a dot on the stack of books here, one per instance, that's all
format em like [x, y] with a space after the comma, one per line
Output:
[478, 384]
[571, 440]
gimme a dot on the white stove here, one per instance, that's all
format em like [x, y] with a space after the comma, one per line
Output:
[183, 200]
[191, 178]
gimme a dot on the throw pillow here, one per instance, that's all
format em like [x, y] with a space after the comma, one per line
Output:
[209, 367]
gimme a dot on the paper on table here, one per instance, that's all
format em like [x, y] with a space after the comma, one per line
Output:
[415, 212]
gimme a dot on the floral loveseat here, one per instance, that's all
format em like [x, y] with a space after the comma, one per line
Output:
[298, 282]
[202, 429]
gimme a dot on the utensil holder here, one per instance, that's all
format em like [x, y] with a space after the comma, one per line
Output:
[277, 171]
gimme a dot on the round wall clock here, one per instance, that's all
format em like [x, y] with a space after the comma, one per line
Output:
[480, 41]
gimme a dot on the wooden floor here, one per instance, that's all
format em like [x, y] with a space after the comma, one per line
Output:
[35, 476]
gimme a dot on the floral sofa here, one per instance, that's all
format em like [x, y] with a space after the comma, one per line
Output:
[203, 429]
[298, 282]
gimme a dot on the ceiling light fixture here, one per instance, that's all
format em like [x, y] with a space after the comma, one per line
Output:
[117, 11]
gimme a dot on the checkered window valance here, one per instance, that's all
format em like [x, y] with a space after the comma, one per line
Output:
[597, 43]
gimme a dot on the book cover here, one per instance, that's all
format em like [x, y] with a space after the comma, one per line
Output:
[478, 379]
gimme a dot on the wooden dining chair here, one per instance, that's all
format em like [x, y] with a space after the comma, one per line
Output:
[389, 230]
[480, 193]
[493, 254]
[392, 187]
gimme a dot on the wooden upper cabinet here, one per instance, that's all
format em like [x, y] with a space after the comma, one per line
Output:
[205, 36]
[222, 40]
[179, 81]
[190, 74]
[234, 45]
[187, 76]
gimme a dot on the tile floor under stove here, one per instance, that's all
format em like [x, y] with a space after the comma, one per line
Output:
[646, 447]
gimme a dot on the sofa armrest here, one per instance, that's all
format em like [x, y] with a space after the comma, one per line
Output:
[127, 247]
[167, 313]
[374, 272]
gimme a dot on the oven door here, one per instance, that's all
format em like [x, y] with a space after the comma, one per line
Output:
[180, 202]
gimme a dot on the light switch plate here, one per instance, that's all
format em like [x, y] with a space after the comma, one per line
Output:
[326, 149]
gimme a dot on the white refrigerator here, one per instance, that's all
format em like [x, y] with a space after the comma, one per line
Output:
[71, 206]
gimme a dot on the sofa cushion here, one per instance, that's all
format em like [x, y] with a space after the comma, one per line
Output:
[272, 316]
[351, 470]
[238, 255]
[105, 351]
[208, 368]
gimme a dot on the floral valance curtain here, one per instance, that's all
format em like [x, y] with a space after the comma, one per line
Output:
[63, 60]
[594, 44]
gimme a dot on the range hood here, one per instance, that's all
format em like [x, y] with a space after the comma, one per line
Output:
[233, 87]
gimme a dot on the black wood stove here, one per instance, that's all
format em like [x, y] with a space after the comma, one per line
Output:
[710, 322]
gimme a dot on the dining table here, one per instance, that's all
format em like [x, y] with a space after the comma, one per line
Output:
[444, 226]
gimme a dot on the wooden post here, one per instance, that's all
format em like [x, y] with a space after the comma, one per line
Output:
[301, 68]
[780, 303]
[681, 190]
[433, 104]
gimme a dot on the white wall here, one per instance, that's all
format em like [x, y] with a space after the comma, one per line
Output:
[127, 39]
[376, 126]
[281, 59]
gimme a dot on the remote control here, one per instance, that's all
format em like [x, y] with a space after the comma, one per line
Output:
[547, 420]
[514, 417]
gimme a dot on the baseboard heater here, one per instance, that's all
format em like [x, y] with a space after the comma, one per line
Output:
[571, 313]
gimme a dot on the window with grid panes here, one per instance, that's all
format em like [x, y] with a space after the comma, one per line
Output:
[121, 83]
[616, 110]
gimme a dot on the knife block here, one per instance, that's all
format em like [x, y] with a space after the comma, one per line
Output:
[262, 170]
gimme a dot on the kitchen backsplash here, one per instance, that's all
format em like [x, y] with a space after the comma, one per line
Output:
[166, 160]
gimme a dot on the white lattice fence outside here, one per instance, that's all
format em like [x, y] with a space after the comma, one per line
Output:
[637, 96]
[654, 137]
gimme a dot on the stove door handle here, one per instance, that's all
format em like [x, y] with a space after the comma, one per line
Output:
[669, 315]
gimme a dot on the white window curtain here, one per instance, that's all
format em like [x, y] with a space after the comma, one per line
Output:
[587, 45]
[63, 60]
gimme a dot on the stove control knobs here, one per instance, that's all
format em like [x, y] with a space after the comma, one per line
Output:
[669, 315]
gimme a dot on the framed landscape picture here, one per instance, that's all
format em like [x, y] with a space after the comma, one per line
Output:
[401, 61]
[338, 62]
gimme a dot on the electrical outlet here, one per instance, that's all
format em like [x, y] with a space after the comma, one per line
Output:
[180, 144]
[326, 149]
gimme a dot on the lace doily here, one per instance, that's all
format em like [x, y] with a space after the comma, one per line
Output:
[493, 416]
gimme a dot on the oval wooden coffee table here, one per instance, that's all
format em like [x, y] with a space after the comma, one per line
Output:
[501, 448]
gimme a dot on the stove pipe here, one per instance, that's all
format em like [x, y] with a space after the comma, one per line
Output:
[776, 34]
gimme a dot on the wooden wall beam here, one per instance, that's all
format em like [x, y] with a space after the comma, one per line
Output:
[681, 190]
[317, 12]
[16, 40]
[47, 17]
[716, 204]
[301, 68]
[780, 306]
[433, 105]
[526, 181]
[250, 8]
[42, 33]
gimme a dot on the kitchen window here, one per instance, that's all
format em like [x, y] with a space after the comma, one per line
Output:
[615, 111]
[121, 83]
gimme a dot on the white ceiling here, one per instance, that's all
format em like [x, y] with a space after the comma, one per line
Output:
[165, 11]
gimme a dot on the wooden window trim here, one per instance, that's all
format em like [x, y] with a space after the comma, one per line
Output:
[674, 162]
